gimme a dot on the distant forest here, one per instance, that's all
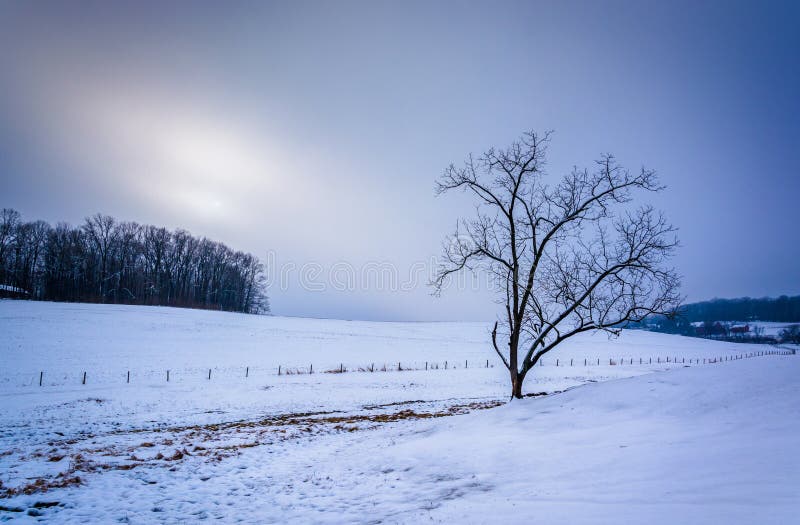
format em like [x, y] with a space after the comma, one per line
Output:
[782, 309]
[713, 318]
[108, 261]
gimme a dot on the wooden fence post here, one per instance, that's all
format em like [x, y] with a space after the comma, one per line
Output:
[84, 378]
[129, 377]
[41, 375]
[247, 372]
[209, 374]
[167, 376]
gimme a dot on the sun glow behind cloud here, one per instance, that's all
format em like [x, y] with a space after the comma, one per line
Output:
[187, 160]
[174, 155]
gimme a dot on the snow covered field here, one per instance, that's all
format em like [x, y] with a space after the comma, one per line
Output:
[770, 329]
[690, 444]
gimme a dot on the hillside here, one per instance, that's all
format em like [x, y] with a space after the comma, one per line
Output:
[392, 446]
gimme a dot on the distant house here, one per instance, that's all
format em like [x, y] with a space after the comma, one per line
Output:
[740, 329]
[12, 292]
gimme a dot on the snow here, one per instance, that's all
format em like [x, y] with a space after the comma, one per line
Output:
[770, 328]
[660, 443]
[9, 288]
[703, 445]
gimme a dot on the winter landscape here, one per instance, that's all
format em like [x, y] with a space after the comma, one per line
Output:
[706, 439]
[369, 262]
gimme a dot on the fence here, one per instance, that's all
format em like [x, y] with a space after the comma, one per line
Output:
[282, 370]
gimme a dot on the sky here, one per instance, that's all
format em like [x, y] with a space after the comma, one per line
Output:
[311, 133]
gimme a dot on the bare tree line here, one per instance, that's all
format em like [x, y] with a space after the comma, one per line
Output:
[109, 261]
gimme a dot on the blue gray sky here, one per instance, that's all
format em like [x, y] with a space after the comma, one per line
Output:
[311, 133]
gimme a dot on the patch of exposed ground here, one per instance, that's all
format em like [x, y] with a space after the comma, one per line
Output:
[68, 462]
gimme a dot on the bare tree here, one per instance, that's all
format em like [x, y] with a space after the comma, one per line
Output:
[101, 233]
[791, 334]
[567, 258]
[9, 222]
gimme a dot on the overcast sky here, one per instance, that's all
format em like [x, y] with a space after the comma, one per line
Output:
[312, 133]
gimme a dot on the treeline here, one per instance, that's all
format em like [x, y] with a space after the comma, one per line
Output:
[781, 309]
[108, 261]
[713, 318]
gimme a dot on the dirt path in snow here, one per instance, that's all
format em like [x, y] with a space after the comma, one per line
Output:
[72, 461]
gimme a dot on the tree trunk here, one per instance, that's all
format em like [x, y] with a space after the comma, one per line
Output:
[516, 377]
[516, 385]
